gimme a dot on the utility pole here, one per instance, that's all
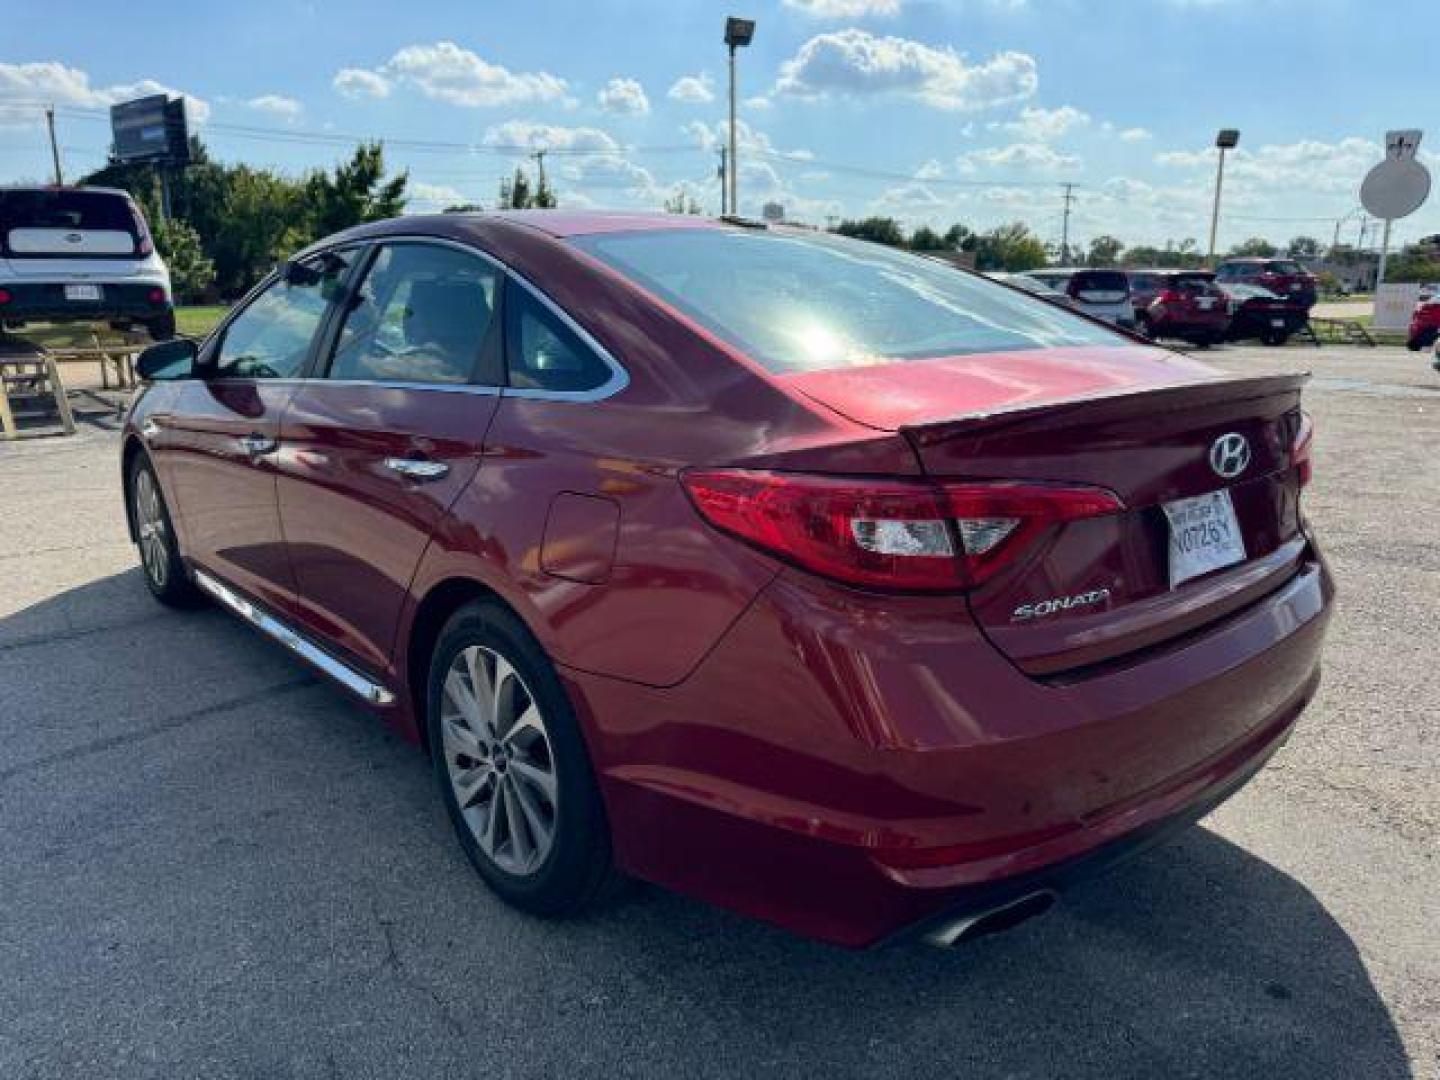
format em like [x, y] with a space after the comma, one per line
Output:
[1065, 226]
[730, 176]
[724, 175]
[1226, 139]
[54, 147]
[539, 156]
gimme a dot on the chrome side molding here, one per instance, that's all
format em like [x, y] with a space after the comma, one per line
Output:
[346, 676]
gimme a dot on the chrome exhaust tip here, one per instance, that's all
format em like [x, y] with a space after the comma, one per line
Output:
[992, 921]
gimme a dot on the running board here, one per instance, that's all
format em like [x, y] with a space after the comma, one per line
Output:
[346, 676]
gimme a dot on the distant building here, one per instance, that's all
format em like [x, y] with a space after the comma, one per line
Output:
[773, 212]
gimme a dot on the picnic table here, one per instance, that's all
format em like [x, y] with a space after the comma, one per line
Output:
[32, 387]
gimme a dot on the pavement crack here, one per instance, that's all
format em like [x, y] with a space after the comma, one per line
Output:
[160, 727]
[407, 980]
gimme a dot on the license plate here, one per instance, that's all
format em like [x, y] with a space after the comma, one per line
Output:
[1278, 324]
[1204, 535]
[82, 292]
[1204, 303]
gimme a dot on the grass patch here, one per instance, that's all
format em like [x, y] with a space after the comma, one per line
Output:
[199, 320]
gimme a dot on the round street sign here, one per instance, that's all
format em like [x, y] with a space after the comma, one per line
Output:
[1399, 184]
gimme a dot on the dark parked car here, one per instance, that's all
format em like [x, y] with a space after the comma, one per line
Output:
[798, 574]
[1183, 304]
[1283, 277]
[1259, 313]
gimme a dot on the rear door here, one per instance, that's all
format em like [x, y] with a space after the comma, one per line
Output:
[217, 448]
[379, 442]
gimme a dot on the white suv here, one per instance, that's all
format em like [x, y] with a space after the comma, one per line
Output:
[80, 254]
[1104, 294]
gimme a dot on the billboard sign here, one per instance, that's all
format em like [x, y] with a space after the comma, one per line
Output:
[150, 129]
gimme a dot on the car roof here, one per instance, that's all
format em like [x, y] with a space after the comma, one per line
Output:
[561, 223]
[6, 189]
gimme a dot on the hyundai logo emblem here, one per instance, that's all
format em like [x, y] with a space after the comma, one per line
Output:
[1230, 455]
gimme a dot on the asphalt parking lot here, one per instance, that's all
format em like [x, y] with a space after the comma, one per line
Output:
[213, 864]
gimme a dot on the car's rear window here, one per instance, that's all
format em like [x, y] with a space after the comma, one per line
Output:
[60, 209]
[1283, 267]
[1100, 281]
[798, 302]
[1196, 283]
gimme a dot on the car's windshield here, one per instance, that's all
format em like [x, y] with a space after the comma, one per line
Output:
[796, 302]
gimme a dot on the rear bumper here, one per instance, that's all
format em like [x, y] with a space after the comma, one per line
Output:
[44, 301]
[852, 771]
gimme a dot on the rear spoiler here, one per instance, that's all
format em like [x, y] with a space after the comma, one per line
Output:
[1107, 405]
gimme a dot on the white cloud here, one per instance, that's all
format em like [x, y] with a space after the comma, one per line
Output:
[1308, 165]
[854, 62]
[447, 72]
[1042, 125]
[358, 84]
[287, 108]
[623, 97]
[1135, 134]
[748, 140]
[914, 195]
[693, 89]
[759, 102]
[1030, 157]
[526, 135]
[931, 170]
[845, 9]
[428, 198]
[26, 86]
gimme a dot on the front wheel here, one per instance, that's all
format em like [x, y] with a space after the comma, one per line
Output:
[513, 768]
[165, 574]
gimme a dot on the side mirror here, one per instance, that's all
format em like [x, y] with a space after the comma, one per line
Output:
[169, 360]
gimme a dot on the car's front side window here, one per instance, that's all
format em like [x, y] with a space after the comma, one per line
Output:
[422, 315]
[271, 338]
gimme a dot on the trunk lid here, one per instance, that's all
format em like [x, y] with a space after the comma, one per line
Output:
[1092, 591]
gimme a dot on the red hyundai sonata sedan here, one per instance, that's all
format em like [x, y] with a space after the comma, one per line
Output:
[820, 581]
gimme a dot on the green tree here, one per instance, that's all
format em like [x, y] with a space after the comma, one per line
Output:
[355, 193]
[681, 202]
[1010, 247]
[1104, 251]
[1256, 246]
[517, 194]
[1303, 247]
[191, 271]
[927, 239]
[882, 230]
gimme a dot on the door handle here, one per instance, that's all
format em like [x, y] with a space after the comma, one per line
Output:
[417, 468]
[256, 444]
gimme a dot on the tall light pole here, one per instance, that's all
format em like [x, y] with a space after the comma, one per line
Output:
[738, 34]
[1227, 139]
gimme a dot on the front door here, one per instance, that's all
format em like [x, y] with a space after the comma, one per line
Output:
[219, 452]
[378, 445]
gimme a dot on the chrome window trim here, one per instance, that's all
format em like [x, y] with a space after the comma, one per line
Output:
[619, 377]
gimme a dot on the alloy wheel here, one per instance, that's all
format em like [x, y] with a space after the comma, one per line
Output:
[150, 526]
[499, 760]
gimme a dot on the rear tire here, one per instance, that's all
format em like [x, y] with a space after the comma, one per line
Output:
[162, 327]
[166, 575]
[513, 768]
[1275, 338]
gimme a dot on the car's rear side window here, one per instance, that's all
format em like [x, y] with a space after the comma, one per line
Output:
[799, 302]
[421, 315]
[542, 353]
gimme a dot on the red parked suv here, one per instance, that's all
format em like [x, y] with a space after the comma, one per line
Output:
[1424, 325]
[1283, 277]
[798, 574]
[1183, 304]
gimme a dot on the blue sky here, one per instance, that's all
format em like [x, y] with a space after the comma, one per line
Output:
[932, 111]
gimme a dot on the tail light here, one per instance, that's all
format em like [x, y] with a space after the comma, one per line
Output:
[144, 246]
[4, 296]
[157, 295]
[1169, 296]
[890, 534]
[1300, 451]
